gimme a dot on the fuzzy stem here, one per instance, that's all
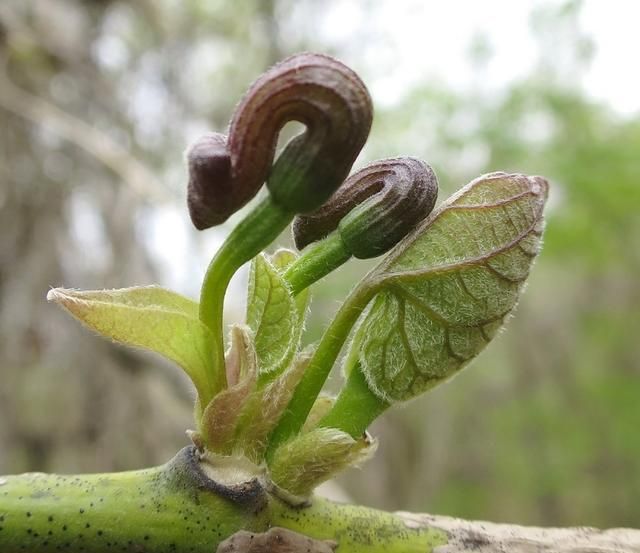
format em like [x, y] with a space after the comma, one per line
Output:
[256, 231]
[356, 407]
[320, 366]
[317, 261]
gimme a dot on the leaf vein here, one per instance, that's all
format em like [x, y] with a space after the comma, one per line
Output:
[402, 328]
[471, 207]
[502, 276]
[443, 269]
[450, 349]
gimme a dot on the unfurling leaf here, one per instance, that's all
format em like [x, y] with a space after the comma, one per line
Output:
[309, 459]
[274, 317]
[282, 260]
[221, 415]
[151, 318]
[263, 409]
[446, 290]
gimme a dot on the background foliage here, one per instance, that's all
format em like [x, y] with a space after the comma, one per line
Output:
[98, 101]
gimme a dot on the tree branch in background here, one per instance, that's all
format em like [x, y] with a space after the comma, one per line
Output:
[97, 144]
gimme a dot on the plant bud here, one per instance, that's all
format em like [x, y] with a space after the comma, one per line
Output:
[210, 197]
[375, 208]
[316, 90]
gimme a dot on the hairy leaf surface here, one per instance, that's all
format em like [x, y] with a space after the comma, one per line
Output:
[263, 409]
[281, 260]
[220, 416]
[313, 457]
[273, 315]
[446, 290]
[147, 317]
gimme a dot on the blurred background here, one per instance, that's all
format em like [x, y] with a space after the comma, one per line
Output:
[98, 100]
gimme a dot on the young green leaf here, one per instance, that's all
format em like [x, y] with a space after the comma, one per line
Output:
[309, 459]
[274, 317]
[282, 259]
[445, 291]
[151, 318]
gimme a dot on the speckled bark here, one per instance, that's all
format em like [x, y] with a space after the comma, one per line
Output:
[182, 507]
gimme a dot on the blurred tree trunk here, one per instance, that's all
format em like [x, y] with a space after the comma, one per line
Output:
[68, 401]
[74, 76]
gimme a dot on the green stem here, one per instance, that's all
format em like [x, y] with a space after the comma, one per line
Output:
[356, 407]
[317, 261]
[163, 509]
[320, 366]
[258, 229]
[357, 529]
[178, 508]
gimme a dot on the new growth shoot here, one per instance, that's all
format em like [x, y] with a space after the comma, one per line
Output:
[448, 278]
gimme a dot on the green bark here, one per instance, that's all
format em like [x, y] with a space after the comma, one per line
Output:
[356, 529]
[177, 508]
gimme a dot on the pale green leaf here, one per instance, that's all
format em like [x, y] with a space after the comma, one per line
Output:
[273, 316]
[147, 317]
[281, 260]
[446, 290]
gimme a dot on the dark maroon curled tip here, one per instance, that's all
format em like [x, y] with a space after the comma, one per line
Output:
[210, 194]
[374, 208]
[225, 172]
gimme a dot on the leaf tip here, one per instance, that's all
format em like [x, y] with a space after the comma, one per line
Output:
[53, 294]
[539, 186]
[60, 295]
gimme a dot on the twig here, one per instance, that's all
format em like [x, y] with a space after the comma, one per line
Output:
[487, 537]
[76, 131]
